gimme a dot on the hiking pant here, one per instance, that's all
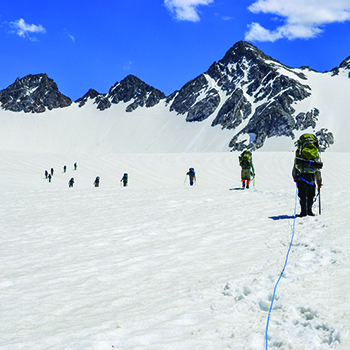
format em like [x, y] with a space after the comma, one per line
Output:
[306, 191]
[245, 174]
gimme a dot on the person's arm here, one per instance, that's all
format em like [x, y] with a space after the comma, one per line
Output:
[253, 170]
[318, 179]
[295, 174]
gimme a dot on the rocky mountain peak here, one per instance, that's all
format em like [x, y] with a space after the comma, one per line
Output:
[346, 65]
[246, 86]
[33, 93]
[130, 89]
[243, 49]
[91, 94]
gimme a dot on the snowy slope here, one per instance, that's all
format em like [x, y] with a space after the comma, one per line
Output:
[162, 265]
[156, 130]
[329, 95]
[79, 130]
[159, 264]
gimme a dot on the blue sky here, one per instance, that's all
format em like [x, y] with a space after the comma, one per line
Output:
[83, 45]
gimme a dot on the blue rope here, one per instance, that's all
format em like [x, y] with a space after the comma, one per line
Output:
[285, 264]
[308, 182]
[310, 166]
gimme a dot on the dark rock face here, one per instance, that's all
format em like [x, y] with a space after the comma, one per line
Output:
[131, 89]
[306, 120]
[33, 93]
[234, 111]
[102, 102]
[186, 98]
[202, 109]
[346, 63]
[325, 139]
[248, 75]
[246, 91]
[246, 85]
[91, 94]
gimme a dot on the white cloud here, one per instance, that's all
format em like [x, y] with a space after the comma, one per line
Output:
[258, 33]
[301, 19]
[186, 10]
[23, 29]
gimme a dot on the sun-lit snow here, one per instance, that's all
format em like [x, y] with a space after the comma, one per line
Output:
[160, 264]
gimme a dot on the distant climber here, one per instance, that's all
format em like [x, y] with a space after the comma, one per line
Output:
[247, 168]
[192, 176]
[64, 168]
[75, 166]
[97, 181]
[71, 182]
[125, 179]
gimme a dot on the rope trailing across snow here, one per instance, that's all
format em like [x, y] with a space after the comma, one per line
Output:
[285, 264]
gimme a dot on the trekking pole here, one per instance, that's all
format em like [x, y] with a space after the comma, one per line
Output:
[319, 201]
[185, 180]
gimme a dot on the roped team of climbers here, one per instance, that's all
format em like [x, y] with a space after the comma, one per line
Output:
[306, 172]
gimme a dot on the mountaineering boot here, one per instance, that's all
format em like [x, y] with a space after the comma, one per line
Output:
[302, 213]
[303, 206]
[243, 184]
[247, 184]
[310, 213]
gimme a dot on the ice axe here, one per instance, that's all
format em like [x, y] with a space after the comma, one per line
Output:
[319, 200]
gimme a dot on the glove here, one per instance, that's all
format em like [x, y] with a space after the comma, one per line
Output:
[319, 185]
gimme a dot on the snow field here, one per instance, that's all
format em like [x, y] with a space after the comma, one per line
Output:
[162, 265]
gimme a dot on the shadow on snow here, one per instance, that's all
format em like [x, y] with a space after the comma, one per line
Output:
[282, 217]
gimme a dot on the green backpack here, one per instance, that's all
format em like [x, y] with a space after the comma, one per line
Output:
[245, 159]
[307, 147]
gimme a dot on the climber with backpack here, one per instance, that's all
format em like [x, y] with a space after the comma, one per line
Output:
[307, 172]
[247, 167]
[192, 175]
[97, 181]
[125, 179]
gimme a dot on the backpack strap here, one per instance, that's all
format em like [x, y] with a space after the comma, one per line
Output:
[311, 164]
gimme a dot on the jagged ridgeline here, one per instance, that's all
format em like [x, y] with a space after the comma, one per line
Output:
[33, 93]
[246, 91]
